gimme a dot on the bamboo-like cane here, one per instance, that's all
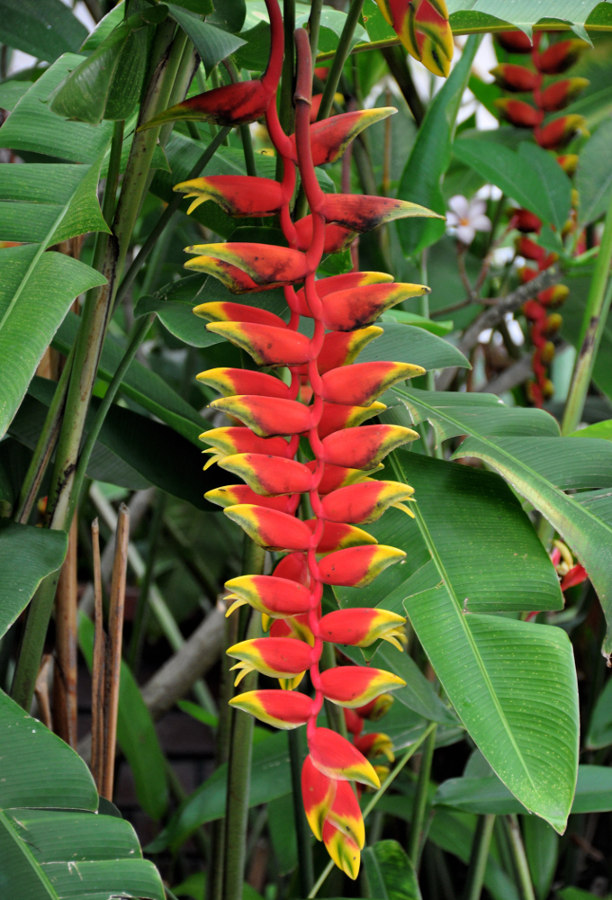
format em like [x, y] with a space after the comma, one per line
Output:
[98, 666]
[65, 674]
[113, 654]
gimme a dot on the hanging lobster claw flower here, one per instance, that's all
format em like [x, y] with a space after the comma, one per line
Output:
[235, 494]
[375, 744]
[518, 112]
[357, 566]
[294, 567]
[274, 657]
[348, 281]
[554, 296]
[376, 709]
[270, 594]
[514, 41]
[269, 528]
[267, 416]
[353, 686]
[336, 236]
[225, 311]
[265, 264]
[230, 381]
[511, 77]
[232, 277]
[422, 27]
[525, 221]
[270, 475]
[558, 133]
[364, 447]
[232, 439]
[340, 348]
[361, 383]
[296, 628]
[330, 137]
[343, 850]
[363, 212]
[267, 344]
[361, 627]
[335, 477]
[282, 709]
[230, 104]
[558, 95]
[336, 416]
[335, 757]
[366, 501]
[560, 56]
[338, 535]
[318, 792]
[237, 195]
[568, 162]
[355, 308]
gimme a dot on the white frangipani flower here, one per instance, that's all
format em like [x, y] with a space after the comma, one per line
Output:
[466, 217]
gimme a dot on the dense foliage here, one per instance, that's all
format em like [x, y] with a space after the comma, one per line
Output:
[362, 209]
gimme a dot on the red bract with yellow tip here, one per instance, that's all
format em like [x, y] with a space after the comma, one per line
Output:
[301, 446]
[546, 97]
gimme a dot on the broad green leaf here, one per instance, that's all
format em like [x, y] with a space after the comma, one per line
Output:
[36, 291]
[489, 795]
[523, 14]
[270, 779]
[51, 843]
[48, 203]
[528, 466]
[600, 727]
[389, 873]
[531, 176]
[597, 430]
[212, 44]
[43, 28]
[141, 384]
[107, 84]
[406, 318]
[542, 849]
[27, 555]
[421, 181]
[513, 684]
[407, 343]
[136, 735]
[593, 176]
[34, 128]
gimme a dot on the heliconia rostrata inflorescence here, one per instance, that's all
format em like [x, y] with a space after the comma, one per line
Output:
[328, 396]
[542, 97]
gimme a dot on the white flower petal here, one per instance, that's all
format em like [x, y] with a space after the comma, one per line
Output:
[459, 205]
[465, 233]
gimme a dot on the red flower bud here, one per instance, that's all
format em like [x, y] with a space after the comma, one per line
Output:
[518, 112]
[559, 57]
[515, 78]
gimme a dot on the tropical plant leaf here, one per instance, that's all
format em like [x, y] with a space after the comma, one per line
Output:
[541, 469]
[531, 176]
[34, 128]
[35, 294]
[27, 555]
[523, 14]
[593, 178]
[389, 873]
[212, 44]
[51, 844]
[43, 28]
[408, 343]
[489, 795]
[50, 203]
[421, 181]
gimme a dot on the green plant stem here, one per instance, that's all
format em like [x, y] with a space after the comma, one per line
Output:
[239, 763]
[395, 57]
[165, 218]
[376, 797]
[478, 859]
[94, 322]
[302, 832]
[519, 858]
[420, 800]
[592, 329]
[314, 23]
[141, 614]
[339, 58]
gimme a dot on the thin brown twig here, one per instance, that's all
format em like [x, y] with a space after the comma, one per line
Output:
[113, 656]
[65, 673]
[99, 662]
[41, 692]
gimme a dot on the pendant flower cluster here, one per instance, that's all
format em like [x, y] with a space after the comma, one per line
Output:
[545, 97]
[301, 445]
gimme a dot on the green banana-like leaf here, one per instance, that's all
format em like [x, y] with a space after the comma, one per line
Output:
[482, 15]
[27, 555]
[541, 469]
[35, 294]
[42, 28]
[52, 845]
[389, 873]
